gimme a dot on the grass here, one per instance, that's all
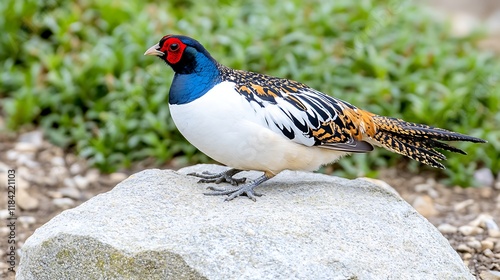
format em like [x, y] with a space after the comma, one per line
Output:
[76, 69]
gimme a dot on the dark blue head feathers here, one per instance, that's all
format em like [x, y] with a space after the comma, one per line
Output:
[196, 72]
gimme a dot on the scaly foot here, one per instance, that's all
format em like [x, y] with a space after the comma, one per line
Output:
[246, 189]
[226, 176]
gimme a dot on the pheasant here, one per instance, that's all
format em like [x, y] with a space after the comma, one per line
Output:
[252, 121]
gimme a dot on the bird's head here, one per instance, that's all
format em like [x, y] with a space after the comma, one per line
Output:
[185, 55]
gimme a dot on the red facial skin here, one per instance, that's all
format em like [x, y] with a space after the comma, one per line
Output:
[174, 49]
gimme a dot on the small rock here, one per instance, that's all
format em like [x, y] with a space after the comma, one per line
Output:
[497, 247]
[458, 190]
[26, 160]
[45, 155]
[57, 161]
[485, 192]
[469, 239]
[470, 230]
[428, 188]
[70, 192]
[422, 187]
[484, 177]
[464, 204]
[491, 225]
[484, 221]
[25, 200]
[71, 158]
[33, 137]
[59, 173]
[433, 193]
[424, 204]
[47, 181]
[490, 275]
[464, 249]
[494, 233]
[4, 167]
[75, 168]
[23, 147]
[487, 244]
[474, 244]
[447, 228]
[22, 183]
[466, 256]
[12, 155]
[81, 182]
[4, 266]
[488, 253]
[4, 231]
[4, 214]
[25, 173]
[26, 221]
[92, 175]
[64, 202]
[492, 239]
[117, 177]
[69, 183]
[54, 194]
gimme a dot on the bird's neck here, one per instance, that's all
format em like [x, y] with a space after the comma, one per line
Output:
[193, 79]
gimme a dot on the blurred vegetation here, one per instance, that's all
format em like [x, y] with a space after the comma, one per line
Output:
[76, 68]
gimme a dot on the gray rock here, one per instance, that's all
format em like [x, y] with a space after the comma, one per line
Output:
[92, 175]
[57, 161]
[447, 228]
[33, 137]
[158, 225]
[63, 202]
[81, 182]
[73, 192]
[75, 168]
[26, 221]
[4, 214]
[484, 177]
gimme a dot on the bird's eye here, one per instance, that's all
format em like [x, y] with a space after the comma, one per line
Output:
[173, 47]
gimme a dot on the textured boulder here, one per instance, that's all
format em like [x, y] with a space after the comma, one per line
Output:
[158, 225]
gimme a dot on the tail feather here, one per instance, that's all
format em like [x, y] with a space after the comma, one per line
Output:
[417, 141]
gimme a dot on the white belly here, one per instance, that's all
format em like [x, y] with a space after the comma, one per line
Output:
[224, 126]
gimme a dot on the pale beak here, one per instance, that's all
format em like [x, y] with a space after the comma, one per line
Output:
[154, 51]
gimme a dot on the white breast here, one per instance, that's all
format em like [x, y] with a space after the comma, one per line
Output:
[224, 126]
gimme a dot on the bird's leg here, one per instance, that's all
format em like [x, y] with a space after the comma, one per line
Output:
[226, 176]
[246, 189]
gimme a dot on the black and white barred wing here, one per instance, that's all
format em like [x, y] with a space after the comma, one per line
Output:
[306, 116]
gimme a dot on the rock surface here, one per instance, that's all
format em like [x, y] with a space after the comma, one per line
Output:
[157, 225]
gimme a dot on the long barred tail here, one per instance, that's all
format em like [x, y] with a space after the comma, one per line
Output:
[417, 141]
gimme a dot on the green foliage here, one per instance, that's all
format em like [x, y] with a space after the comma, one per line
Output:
[76, 68]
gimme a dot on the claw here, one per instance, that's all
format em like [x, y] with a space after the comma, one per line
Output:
[246, 189]
[222, 177]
